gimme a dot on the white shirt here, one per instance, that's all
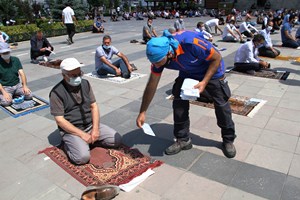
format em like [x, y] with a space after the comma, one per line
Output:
[245, 27]
[226, 30]
[266, 34]
[68, 12]
[206, 34]
[212, 22]
[247, 53]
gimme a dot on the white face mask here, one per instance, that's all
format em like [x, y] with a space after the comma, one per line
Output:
[180, 20]
[202, 28]
[269, 28]
[6, 56]
[75, 81]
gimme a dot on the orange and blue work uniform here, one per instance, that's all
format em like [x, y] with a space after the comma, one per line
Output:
[192, 60]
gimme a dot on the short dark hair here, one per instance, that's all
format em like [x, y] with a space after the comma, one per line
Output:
[292, 16]
[258, 38]
[150, 18]
[199, 24]
[106, 37]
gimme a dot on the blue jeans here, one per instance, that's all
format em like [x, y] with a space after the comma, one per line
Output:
[105, 69]
[291, 43]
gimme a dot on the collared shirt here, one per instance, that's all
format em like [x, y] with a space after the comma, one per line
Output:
[247, 53]
[285, 27]
[245, 27]
[107, 54]
[193, 57]
[205, 34]
[212, 22]
[228, 27]
[266, 34]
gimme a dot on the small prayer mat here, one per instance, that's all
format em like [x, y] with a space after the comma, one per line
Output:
[52, 63]
[280, 57]
[115, 79]
[28, 106]
[106, 166]
[264, 73]
[240, 105]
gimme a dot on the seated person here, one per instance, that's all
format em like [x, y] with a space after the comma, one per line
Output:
[148, 31]
[74, 107]
[139, 16]
[246, 59]
[104, 64]
[3, 37]
[126, 16]
[267, 49]
[98, 26]
[249, 17]
[297, 35]
[40, 46]
[244, 29]
[214, 23]
[286, 34]
[10, 70]
[228, 33]
[201, 29]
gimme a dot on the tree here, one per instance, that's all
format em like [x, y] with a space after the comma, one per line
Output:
[8, 9]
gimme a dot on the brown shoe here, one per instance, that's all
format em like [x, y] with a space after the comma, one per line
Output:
[104, 192]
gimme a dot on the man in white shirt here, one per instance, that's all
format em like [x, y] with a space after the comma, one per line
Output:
[104, 64]
[244, 29]
[179, 24]
[267, 49]
[228, 33]
[214, 23]
[68, 18]
[201, 29]
[246, 59]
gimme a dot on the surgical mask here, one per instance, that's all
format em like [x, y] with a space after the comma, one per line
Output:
[295, 20]
[202, 28]
[269, 28]
[6, 56]
[149, 24]
[106, 47]
[75, 81]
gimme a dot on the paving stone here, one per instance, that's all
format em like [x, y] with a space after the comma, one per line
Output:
[284, 126]
[116, 102]
[259, 181]
[290, 104]
[191, 186]
[291, 190]
[40, 122]
[248, 88]
[233, 193]
[287, 114]
[73, 187]
[159, 112]
[295, 166]
[215, 168]
[138, 193]
[54, 193]
[258, 121]
[247, 133]
[278, 140]
[298, 148]
[264, 157]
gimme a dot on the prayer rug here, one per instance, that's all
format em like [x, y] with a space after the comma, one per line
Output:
[280, 57]
[52, 63]
[264, 73]
[240, 105]
[115, 79]
[28, 106]
[106, 166]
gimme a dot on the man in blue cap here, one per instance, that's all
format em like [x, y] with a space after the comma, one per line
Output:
[194, 58]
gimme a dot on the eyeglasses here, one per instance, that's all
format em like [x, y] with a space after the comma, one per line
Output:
[75, 75]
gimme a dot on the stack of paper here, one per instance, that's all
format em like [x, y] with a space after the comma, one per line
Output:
[187, 90]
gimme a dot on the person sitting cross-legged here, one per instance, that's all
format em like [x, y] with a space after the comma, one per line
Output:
[104, 64]
[246, 59]
[98, 26]
[75, 110]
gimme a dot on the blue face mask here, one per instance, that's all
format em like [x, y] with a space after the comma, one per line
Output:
[106, 47]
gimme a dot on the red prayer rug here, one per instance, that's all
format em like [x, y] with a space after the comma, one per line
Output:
[107, 166]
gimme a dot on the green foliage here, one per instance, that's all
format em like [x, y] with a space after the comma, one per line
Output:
[24, 10]
[8, 9]
[56, 7]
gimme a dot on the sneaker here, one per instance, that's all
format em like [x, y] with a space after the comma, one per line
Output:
[251, 72]
[45, 58]
[104, 192]
[229, 149]
[34, 61]
[215, 44]
[69, 41]
[133, 67]
[178, 146]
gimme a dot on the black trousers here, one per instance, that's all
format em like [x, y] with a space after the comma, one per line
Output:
[220, 93]
[244, 67]
[35, 54]
[70, 31]
[267, 52]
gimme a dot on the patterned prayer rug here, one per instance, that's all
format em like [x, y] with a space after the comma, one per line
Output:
[264, 73]
[115, 79]
[240, 105]
[28, 106]
[280, 57]
[106, 166]
[52, 63]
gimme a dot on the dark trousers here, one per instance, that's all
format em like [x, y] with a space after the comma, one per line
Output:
[244, 67]
[247, 34]
[267, 52]
[70, 31]
[105, 69]
[35, 54]
[291, 43]
[220, 93]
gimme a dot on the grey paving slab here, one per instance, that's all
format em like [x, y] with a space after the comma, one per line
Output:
[295, 166]
[233, 193]
[284, 126]
[259, 181]
[291, 190]
[217, 168]
[298, 147]
[287, 114]
[247, 133]
[54, 193]
[138, 193]
[73, 187]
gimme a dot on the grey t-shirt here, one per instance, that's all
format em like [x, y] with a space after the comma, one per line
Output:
[108, 55]
[149, 29]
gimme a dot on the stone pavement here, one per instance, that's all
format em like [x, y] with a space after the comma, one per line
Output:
[268, 147]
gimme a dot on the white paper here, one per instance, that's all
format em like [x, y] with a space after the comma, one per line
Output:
[136, 181]
[189, 83]
[147, 129]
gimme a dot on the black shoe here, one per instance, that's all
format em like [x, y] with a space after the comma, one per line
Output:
[215, 44]
[35, 61]
[104, 192]
[126, 75]
[251, 72]
[229, 149]
[178, 146]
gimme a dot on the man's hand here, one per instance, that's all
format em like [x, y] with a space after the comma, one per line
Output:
[275, 52]
[118, 71]
[6, 96]
[200, 86]
[43, 49]
[140, 119]
[87, 138]
[26, 90]
[95, 134]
